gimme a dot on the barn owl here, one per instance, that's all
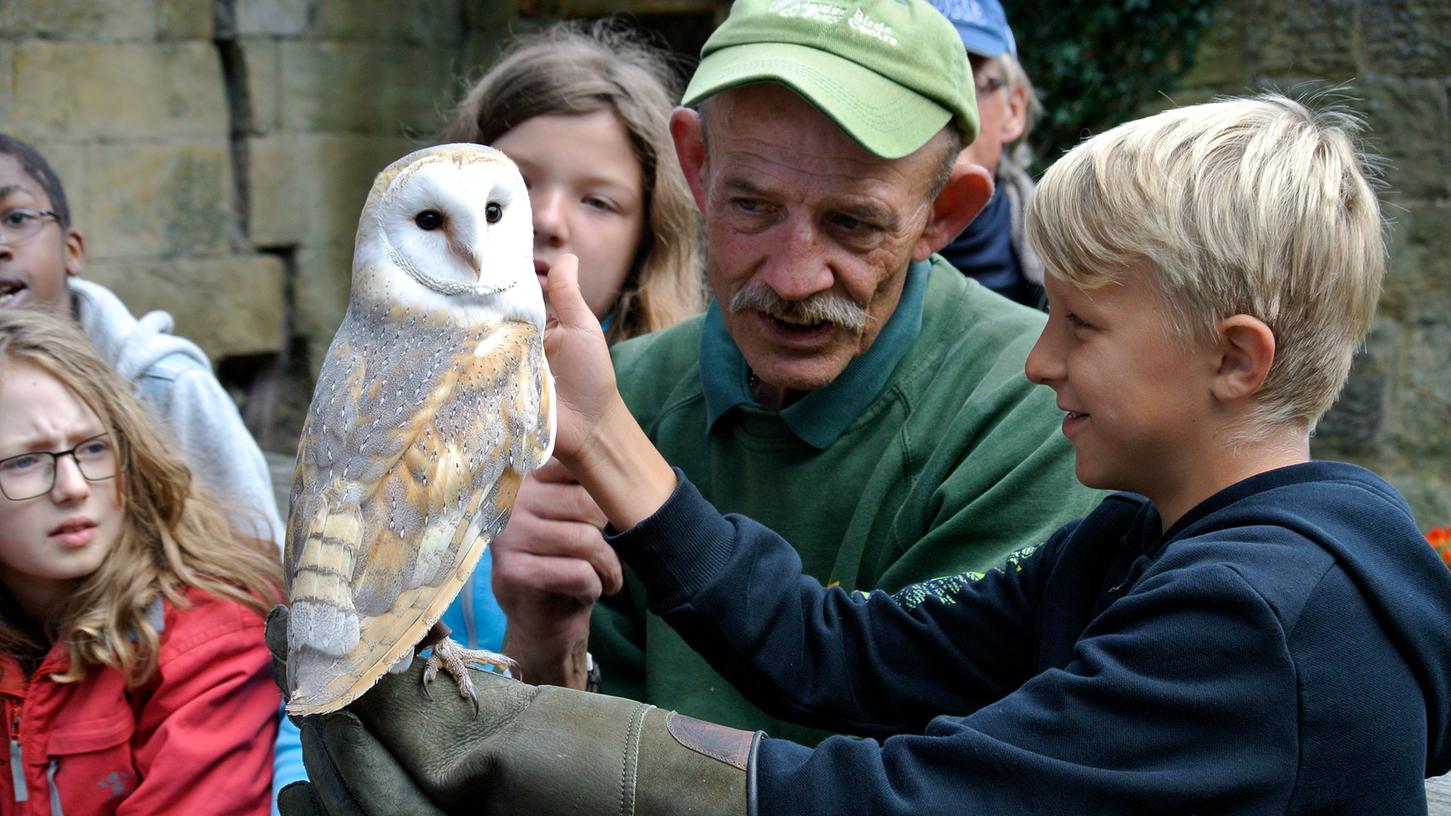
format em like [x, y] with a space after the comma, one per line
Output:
[433, 403]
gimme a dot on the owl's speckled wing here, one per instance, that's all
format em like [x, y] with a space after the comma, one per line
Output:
[412, 454]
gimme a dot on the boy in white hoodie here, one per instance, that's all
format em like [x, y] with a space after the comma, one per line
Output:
[41, 257]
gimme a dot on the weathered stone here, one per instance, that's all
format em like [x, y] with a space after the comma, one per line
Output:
[1422, 390]
[79, 19]
[158, 200]
[496, 19]
[321, 296]
[1219, 60]
[1411, 126]
[1418, 280]
[1406, 37]
[321, 205]
[184, 19]
[440, 22]
[1353, 424]
[287, 18]
[261, 59]
[130, 90]
[1427, 491]
[334, 86]
[1303, 37]
[7, 74]
[227, 304]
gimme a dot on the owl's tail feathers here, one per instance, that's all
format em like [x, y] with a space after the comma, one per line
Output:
[322, 623]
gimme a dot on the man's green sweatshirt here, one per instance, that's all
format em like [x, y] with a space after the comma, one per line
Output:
[930, 455]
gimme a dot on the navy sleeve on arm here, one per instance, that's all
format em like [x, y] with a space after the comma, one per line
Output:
[1181, 698]
[872, 665]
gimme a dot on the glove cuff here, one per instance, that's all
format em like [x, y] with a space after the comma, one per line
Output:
[718, 762]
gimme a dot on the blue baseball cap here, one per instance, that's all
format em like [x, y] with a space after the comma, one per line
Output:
[982, 25]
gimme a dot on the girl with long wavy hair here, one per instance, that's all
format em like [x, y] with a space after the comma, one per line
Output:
[584, 110]
[133, 673]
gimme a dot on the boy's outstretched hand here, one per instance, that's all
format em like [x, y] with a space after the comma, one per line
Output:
[596, 437]
[579, 359]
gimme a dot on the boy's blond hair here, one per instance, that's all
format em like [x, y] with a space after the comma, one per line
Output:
[1257, 206]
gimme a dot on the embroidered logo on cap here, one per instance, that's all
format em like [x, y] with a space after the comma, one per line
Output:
[826, 13]
[872, 28]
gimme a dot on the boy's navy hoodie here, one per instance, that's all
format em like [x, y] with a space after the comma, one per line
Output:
[1284, 648]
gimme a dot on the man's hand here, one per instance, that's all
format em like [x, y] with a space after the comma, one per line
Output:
[550, 566]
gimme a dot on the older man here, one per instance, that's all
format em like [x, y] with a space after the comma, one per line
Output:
[846, 388]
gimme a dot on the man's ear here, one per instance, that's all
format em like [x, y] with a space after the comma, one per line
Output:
[1246, 351]
[968, 189]
[75, 252]
[686, 131]
[1016, 121]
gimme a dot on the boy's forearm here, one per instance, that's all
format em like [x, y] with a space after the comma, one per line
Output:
[622, 470]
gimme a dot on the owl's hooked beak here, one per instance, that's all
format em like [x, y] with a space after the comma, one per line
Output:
[466, 252]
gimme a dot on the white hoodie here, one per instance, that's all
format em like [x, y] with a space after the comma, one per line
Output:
[173, 377]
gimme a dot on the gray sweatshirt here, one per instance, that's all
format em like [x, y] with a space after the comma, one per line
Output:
[173, 377]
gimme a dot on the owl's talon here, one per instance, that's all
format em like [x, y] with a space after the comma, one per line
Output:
[455, 659]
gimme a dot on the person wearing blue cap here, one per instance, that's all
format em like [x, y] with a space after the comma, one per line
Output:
[993, 250]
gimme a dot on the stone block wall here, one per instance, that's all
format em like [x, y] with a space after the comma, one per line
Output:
[1394, 58]
[217, 153]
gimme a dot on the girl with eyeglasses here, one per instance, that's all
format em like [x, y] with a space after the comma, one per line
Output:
[133, 672]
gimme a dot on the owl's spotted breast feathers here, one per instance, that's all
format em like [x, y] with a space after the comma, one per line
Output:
[426, 519]
[432, 405]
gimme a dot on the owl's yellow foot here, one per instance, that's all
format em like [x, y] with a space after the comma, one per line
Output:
[455, 659]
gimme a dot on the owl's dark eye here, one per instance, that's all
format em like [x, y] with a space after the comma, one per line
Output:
[493, 213]
[429, 220]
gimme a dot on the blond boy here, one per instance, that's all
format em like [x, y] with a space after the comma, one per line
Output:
[1248, 631]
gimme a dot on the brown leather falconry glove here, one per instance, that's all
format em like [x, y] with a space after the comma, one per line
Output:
[541, 750]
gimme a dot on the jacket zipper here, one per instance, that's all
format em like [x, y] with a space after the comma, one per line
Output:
[55, 808]
[17, 762]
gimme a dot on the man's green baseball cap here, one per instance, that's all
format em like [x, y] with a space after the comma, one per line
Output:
[891, 73]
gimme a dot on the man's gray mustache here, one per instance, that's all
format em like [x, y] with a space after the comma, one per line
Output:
[822, 307]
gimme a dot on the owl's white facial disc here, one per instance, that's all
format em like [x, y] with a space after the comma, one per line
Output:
[456, 220]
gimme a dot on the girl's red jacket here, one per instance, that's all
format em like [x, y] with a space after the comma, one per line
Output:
[196, 739]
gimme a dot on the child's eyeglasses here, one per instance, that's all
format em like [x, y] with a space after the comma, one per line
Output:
[23, 223]
[33, 474]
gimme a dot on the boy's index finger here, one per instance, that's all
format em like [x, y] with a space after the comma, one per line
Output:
[564, 296]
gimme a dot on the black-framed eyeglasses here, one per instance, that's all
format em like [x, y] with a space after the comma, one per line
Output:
[23, 223]
[33, 474]
[987, 86]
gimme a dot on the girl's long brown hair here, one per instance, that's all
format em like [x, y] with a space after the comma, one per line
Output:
[174, 535]
[573, 68]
